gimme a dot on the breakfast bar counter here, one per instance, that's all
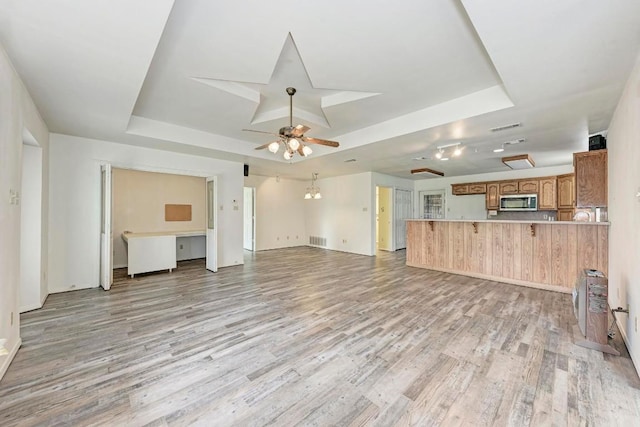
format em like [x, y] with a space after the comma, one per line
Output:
[540, 254]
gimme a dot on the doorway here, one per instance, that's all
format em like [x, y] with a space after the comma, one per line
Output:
[249, 221]
[33, 290]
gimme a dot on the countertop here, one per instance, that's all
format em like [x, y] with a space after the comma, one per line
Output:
[187, 233]
[516, 221]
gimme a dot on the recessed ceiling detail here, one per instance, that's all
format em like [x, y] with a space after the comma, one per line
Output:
[289, 71]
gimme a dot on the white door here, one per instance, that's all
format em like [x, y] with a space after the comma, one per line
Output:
[212, 225]
[106, 237]
[403, 212]
[249, 219]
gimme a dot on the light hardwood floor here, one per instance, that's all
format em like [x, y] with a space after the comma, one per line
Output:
[312, 337]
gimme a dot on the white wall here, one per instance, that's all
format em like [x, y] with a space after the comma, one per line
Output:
[139, 200]
[17, 113]
[623, 143]
[473, 206]
[74, 257]
[346, 213]
[280, 219]
[31, 229]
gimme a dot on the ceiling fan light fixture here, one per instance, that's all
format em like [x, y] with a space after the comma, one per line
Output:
[294, 144]
[274, 147]
[306, 150]
[287, 155]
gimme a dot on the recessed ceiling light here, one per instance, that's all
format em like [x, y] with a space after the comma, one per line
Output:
[498, 150]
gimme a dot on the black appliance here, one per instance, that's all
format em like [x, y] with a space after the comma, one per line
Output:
[597, 142]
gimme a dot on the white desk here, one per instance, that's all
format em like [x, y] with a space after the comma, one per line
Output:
[153, 251]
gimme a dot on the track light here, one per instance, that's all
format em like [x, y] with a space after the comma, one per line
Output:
[439, 154]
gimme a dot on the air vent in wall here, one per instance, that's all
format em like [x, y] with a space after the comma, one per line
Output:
[505, 127]
[317, 241]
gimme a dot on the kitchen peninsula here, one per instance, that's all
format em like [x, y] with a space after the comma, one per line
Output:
[540, 254]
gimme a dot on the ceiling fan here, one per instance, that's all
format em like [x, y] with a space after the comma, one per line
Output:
[292, 137]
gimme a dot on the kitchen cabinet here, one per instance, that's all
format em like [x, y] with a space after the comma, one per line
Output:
[492, 197]
[459, 189]
[509, 187]
[472, 188]
[528, 186]
[477, 188]
[565, 215]
[547, 197]
[591, 178]
[566, 185]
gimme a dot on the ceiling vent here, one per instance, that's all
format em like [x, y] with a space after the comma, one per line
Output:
[506, 127]
[350, 160]
[426, 171]
[522, 161]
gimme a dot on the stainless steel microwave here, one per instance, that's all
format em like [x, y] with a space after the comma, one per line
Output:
[519, 202]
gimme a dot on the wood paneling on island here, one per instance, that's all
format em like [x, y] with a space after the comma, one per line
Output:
[546, 255]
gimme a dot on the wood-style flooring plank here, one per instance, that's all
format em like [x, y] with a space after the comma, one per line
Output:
[306, 336]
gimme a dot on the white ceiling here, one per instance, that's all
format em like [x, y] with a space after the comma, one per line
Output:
[390, 81]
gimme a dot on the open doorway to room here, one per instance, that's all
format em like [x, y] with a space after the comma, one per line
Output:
[33, 290]
[157, 219]
[249, 219]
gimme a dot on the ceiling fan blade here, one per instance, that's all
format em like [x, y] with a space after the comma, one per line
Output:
[299, 150]
[320, 141]
[299, 130]
[260, 131]
[263, 146]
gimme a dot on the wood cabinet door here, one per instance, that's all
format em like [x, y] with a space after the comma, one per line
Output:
[459, 189]
[591, 178]
[565, 215]
[547, 199]
[509, 187]
[528, 186]
[566, 184]
[478, 188]
[493, 196]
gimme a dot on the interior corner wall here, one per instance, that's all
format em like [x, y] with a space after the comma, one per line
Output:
[139, 200]
[345, 215]
[280, 219]
[473, 206]
[74, 202]
[17, 112]
[624, 212]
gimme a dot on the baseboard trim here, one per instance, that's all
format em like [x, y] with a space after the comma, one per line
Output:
[6, 360]
[625, 338]
[524, 283]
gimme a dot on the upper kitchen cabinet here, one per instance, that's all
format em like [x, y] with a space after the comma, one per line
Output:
[492, 197]
[566, 186]
[509, 187]
[547, 199]
[528, 186]
[591, 178]
[466, 189]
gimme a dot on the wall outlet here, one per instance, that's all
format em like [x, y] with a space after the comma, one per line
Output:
[181, 247]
